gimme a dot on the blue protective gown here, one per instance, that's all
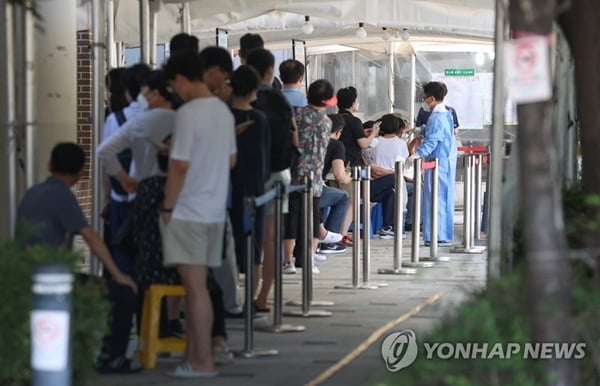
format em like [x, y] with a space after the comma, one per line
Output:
[440, 143]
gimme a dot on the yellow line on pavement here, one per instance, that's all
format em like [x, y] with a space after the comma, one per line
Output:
[372, 339]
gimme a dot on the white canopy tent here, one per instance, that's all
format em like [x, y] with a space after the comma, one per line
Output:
[143, 23]
[335, 21]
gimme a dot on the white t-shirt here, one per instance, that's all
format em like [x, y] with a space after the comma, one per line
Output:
[204, 136]
[142, 134]
[390, 150]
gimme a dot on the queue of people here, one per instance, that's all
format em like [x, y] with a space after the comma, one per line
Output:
[185, 145]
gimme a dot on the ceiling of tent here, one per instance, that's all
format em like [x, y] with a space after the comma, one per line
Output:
[335, 21]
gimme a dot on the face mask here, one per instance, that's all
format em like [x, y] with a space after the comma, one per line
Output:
[142, 101]
[405, 137]
[425, 107]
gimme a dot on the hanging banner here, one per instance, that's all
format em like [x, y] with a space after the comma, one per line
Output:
[527, 69]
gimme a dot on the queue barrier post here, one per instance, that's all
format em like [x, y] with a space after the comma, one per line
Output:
[398, 219]
[249, 352]
[355, 174]
[278, 326]
[415, 239]
[306, 240]
[434, 221]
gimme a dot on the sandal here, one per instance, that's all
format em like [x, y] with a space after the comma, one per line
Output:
[185, 370]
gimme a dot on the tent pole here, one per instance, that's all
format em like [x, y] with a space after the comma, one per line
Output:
[392, 91]
[144, 31]
[186, 21]
[7, 110]
[111, 49]
[98, 62]
[24, 55]
[153, 27]
[413, 86]
[497, 145]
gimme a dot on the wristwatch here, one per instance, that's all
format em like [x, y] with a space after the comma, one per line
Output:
[166, 210]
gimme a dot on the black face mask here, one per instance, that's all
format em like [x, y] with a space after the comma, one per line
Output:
[163, 162]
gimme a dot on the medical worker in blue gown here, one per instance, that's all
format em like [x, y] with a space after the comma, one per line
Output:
[439, 143]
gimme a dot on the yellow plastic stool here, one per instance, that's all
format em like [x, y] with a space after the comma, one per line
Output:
[150, 343]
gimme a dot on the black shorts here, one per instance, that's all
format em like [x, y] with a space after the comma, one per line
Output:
[293, 219]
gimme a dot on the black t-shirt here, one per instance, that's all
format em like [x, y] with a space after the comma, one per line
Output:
[353, 131]
[279, 114]
[251, 170]
[335, 150]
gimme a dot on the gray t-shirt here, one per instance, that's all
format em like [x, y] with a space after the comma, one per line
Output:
[49, 214]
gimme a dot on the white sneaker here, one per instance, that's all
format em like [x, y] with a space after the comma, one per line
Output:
[222, 356]
[331, 238]
[320, 257]
[289, 268]
[315, 269]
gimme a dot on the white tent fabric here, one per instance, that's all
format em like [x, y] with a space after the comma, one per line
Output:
[334, 20]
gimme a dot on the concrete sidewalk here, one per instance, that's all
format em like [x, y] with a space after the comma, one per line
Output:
[356, 315]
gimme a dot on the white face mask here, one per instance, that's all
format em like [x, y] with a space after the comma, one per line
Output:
[405, 137]
[374, 142]
[425, 107]
[142, 101]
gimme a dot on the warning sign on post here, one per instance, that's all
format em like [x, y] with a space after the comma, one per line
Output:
[527, 69]
[49, 340]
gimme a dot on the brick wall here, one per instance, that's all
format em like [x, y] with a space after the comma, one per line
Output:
[84, 117]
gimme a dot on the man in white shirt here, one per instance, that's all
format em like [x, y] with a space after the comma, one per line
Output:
[194, 210]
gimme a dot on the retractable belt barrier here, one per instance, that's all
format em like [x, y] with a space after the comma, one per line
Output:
[473, 159]
[418, 193]
[355, 174]
[399, 221]
[277, 194]
[306, 239]
[277, 326]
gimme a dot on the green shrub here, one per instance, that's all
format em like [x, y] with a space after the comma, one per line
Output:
[498, 315]
[89, 313]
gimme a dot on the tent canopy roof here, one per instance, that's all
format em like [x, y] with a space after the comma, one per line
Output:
[279, 21]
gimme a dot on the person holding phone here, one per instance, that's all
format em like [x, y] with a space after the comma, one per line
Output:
[250, 173]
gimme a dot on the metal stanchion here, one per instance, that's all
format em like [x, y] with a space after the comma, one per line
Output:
[399, 222]
[366, 232]
[356, 229]
[50, 326]
[418, 192]
[435, 183]
[467, 246]
[249, 351]
[306, 239]
[478, 195]
[278, 287]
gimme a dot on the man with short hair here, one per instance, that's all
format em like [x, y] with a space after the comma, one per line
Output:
[291, 72]
[248, 43]
[353, 137]
[52, 210]
[194, 210]
[283, 136]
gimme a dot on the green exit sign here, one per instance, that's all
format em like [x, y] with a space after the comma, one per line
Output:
[459, 72]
